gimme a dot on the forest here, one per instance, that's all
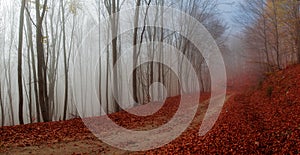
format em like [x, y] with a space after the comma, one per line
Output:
[37, 60]
[63, 60]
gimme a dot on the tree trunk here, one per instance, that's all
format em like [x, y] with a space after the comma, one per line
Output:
[265, 36]
[2, 107]
[42, 79]
[135, 55]
[29, 79]
[161, 65]
[114, 28]
[107, 73]
[8, 77]
[298, 28]
[35, 86]
[20, 46]
[275, 22]
[65, 61]
[100, 67]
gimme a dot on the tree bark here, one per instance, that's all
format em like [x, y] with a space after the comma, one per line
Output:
[135, 54]
[35, 85]
[2, 107]
[65, 61]
[41, 68]
[298, 28]
[276, 26]
[20, 46]
[100, 66]
[114, 29]
[29, 79]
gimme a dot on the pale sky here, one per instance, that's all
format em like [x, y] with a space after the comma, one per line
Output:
[228, 9]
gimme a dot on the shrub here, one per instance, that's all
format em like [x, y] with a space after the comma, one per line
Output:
[269, 91]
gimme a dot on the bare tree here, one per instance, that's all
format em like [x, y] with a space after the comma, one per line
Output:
[20, 83]
[65, 60]
[33, 63]
[98, 2]
[296, 9]
[112, 7]
[42, 78]
[276, 34]
[271, 27]
[53, 56]
[2, 107]
[135, 54]
[52, 31]
[8, 74]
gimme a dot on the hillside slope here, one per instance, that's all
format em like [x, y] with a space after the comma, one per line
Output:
[263, 120]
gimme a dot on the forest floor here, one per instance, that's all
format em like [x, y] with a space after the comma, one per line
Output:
[264, 118]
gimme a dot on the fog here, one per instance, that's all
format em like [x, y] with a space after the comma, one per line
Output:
[100, 71]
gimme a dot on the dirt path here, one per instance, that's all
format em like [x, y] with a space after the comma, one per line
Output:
[93, 146]
[65, 148]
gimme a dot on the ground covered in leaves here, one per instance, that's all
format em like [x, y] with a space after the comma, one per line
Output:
[262, 120]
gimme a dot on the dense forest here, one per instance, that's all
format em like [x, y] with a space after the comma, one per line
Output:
[37, 60]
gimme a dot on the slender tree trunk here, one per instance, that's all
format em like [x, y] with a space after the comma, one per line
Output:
[20, 46]
[161, 65]
[42, 79]
[266, 44]
[135, 54]
[29, 79]
[8, 76]
[275, 22]
[35, 86]
[114, 28]
[2, 107]
[100, 67]
[298, 40]
[8, 81]
[298, 28]
[107, 73]
[65, 61]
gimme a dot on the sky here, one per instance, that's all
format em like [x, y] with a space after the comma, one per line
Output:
[229, 9]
